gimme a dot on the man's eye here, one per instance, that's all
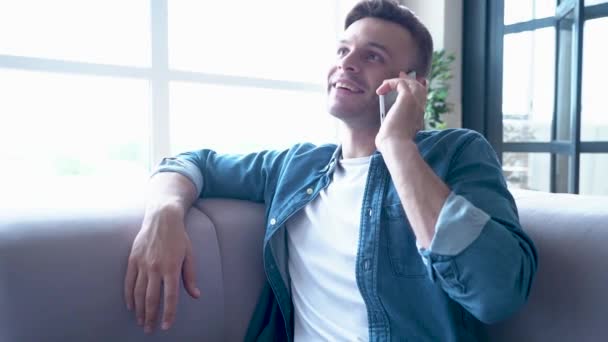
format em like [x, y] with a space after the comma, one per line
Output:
[342, 51]
[374, 57]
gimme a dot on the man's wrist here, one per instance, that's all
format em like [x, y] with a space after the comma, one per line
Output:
[168, 206]
[399, 148]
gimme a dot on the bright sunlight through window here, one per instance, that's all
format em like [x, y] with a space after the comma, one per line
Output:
[95, 93]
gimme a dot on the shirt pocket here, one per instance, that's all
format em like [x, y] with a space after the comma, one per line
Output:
[401, 243]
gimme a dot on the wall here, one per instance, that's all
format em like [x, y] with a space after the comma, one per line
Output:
[444, 20]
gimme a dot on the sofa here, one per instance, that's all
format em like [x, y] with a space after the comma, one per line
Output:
[62, 269]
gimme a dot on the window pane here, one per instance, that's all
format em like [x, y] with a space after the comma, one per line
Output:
[527, 170]
[594, 124]
[55, 126]
[101, 31]
[268, 39]
[528, 85]
[565, 87]
[524, 10]
[595, 2]
[593, 174]
[241, 119]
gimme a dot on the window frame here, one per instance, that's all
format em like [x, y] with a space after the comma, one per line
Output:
[483, 37]
[158, 74]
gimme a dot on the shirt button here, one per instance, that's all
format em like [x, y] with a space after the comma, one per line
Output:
[309, 191]
[366, 264]
[273, 222]
[369, 212]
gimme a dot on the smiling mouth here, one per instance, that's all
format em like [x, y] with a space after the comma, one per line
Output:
[347, 87]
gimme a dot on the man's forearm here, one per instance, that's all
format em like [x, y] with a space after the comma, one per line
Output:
[170, 191]
[421, 191]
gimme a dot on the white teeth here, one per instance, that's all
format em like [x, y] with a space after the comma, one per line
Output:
[345, 86]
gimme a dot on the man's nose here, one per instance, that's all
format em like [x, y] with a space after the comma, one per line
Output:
[349, 62]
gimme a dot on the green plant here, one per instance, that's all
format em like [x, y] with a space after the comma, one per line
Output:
[437, 104]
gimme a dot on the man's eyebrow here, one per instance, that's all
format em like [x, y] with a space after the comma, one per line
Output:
[379, 47]
[371, 44]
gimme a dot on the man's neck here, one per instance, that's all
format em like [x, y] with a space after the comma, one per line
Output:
[356, 143]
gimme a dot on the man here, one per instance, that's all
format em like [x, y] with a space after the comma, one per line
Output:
[394, 234]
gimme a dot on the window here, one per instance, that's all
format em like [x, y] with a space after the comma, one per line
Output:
[243, 39]
[594, 115]
[529, 65]
[255, 123]
[525, 10]
[105, 89]
[527, 170]
[67, 125]
[538, 95]
[104, 32]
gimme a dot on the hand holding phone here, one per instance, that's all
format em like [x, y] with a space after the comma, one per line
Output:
[387, 100]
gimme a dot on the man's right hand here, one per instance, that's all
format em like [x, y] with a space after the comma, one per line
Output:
[161, 252]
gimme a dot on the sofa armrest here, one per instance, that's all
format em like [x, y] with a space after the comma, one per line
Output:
[240, 232]
[62, 273]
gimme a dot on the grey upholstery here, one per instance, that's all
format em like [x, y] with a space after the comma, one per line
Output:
[569, 299]
[62, 271]
[240, 236]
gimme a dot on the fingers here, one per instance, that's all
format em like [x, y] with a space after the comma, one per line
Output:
[152, 301]
[419, 90]
[158, 256]
[130, 279]
[406, 88]
[141, 285]
[171, 292]
[402, 83]
[407, 84]
[189, 274]
[145, 294]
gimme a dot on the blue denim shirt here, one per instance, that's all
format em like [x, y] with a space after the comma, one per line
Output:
[479, 267]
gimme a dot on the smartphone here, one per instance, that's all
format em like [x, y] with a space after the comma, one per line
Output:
[387, 100]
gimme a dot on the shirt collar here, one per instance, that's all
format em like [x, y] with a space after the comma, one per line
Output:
[330, 167]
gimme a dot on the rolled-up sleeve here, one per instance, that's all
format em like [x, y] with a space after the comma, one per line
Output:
[249, 176]
[184, 167]
[479, 254]
[458, 225]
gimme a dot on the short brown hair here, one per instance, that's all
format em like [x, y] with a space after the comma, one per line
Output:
[393, 11]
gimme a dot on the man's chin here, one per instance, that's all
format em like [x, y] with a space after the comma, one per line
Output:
[342, 110]
[340, 113]
[345, 111]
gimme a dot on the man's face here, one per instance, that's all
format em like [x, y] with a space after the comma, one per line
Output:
[370, 51]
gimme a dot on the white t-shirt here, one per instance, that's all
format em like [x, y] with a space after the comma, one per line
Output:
[323, 240]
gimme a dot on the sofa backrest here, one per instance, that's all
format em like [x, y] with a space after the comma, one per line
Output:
[569, 300]
[240, 234]
[62, 273]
